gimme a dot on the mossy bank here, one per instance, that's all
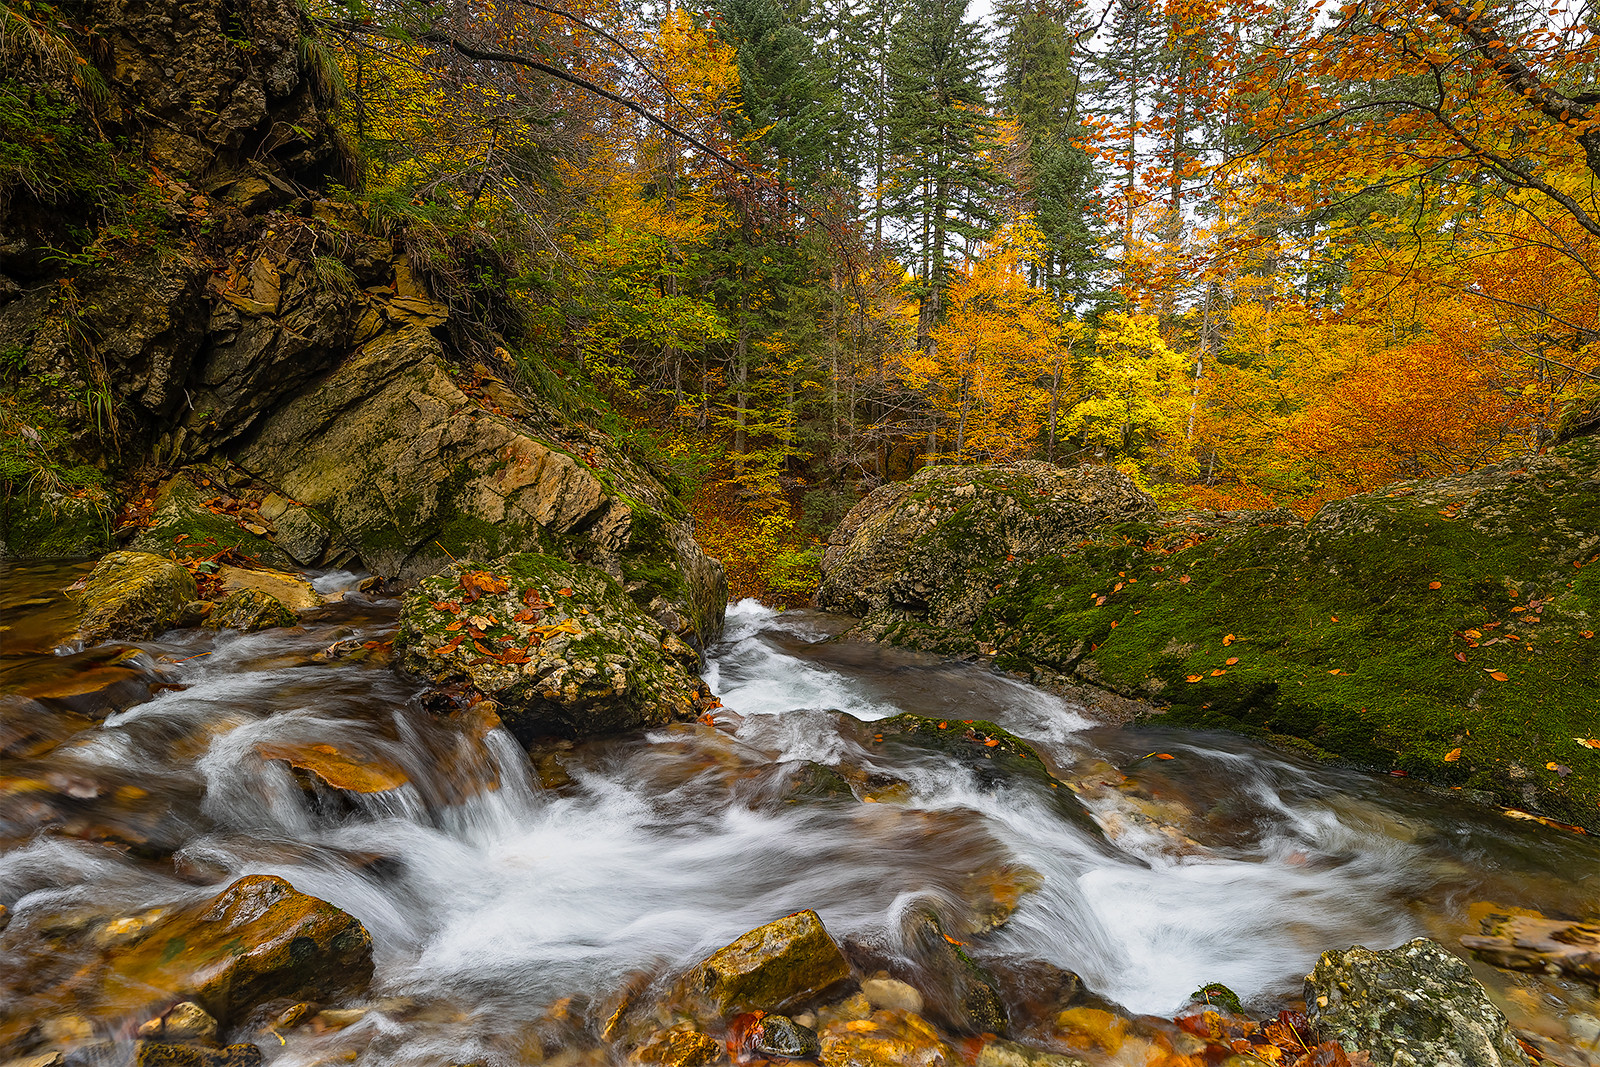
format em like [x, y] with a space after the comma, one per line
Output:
[1439, 629]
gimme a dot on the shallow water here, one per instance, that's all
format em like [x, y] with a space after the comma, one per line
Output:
[495, 887]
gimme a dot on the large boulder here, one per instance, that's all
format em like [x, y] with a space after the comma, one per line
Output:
[927, 551]
[561, 649]
[134, 595]
[1414, 1006]
[413, 473]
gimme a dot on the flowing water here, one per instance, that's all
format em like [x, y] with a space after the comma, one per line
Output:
[505, 895]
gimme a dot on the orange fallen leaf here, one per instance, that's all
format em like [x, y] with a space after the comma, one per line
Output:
[1453, 755]
[1194, 677]
[1099, 601]
[1164, 755]
[1218, 672]
[1462, 656]
[1586, 633]
[990, 743]
[1230, 661]
[1184, 578]
[1228, 640]
[1587, 742]
[1335, 671]
[1435, 585]
[1499, 676]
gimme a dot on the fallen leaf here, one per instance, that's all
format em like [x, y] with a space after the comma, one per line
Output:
[446, 605]
[448, 646]
[1335, 671]
[479, 583]
[1561, 769]
[1474, 634]
[991, 743]
[1164, 755]
[1499, 676]
[1195, 677]
[1218, 672]
[1453, 755]
[563, 592]
[1228, 640]
[1230, 661]
[1435, 585]
[1184, 578]
[1587, 742]
[1462, 656]
[1099, 601]
[1586, 633]
[1117, 588]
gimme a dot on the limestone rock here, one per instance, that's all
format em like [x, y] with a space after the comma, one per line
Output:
[290, 590]
[411, 472]
[892, 994]
[928, 549]
[960, 994]
[183, 524]
[1009, 1054]
[775, 967]
[1413, 1006]
[133, 595]
[247, 610]
[1534, 943]
[559, 648]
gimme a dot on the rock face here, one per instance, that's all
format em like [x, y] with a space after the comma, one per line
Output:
[134, 595]
[247, 610]
[561, 649]
[775, 967]
[927, 551]
[1414, 1006]
[411, 472]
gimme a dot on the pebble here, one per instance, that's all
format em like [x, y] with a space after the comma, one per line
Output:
[892, 994]
[1585, 1029]
[185, 1021]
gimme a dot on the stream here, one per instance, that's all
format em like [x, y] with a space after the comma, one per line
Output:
[503, 892]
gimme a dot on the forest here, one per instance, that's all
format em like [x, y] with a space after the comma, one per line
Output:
[1255, 254]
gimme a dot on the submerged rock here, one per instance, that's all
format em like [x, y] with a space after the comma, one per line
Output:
[961, 995]
[1534, 943]
[1414, 1006]
[887, 1039]
[134, 595]
[162, 1054]
[775, 967]
[561, 649]
[927, 552]
[778, 1037]
[680, 1048]
[185, 1021]
[336, 768]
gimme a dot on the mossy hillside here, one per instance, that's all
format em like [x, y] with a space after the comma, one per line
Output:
[1342, 641]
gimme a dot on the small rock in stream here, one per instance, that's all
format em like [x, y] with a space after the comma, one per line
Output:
[781, 965]
[1414, 1006]
[185, 1021]
[161, 1054]
[680, 1048]
[133, 595]
[892, 994]
[780, 1037]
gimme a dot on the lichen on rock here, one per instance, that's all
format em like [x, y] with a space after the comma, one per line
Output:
[1413, 1006]
[559, 648]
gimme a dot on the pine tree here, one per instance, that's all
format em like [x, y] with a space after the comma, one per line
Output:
[942, 185]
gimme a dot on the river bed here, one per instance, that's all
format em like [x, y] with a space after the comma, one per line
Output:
[500, 891]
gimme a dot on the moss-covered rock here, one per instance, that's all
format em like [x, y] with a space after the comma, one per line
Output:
[55, 525]
[561, 649]
[1439, 628]
[248, 610]
[184, 525]
[927, 552]
[1414, 1005]
[134, 595]
[785, 964]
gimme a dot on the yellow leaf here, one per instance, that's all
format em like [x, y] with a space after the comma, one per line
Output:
[1499, 676]
[1228, 640]
[1453, 755]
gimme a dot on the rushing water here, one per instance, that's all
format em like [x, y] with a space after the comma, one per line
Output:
[494, 886]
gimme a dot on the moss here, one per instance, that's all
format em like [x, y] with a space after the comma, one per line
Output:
[55, 526]
[1340, 639]
[183, 526]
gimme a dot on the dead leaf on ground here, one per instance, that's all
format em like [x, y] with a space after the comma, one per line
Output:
[1453, 755]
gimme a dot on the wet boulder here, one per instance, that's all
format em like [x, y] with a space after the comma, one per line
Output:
[560, 649]
[680, 1048]
[782, 965]
[1535, 943]
[164, 1054]
[927, 552]
[134, 595]
[960, 993]
[1413, 1006]
[188, 518]
[898, 1038]
[248, 610]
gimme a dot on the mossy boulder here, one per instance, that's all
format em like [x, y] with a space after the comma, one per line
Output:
[929, 550]
[785, 964]
[55, 525]
[1438, 628]
[248, 610]
[134, 595]
[412, 472]
[561, 649]
[1413, 1005]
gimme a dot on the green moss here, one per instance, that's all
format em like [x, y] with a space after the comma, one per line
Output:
[1339, 639]
[183, 526]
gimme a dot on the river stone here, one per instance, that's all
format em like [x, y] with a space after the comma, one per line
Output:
[133, 595]
[184, 1021]
[928, 550]
[561, 649]
[163, 1054]
[887, 1039]
[780, 1037]
[337, 769]
[247, 610]
[775, 967]
[680, 1048]
[1413, 1006]
[892, 994]
[258, 939]
[1010, 1054]
[959, 993]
